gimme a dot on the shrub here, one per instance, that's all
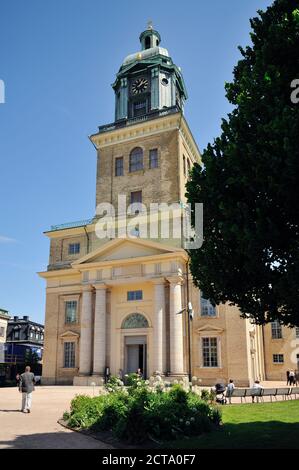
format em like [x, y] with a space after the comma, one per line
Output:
[113, 384]
[114, 409]
[85, 410]
[140, 412]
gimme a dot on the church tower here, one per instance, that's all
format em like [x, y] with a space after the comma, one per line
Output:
[115, 300]
[148, 151]
[148, 81]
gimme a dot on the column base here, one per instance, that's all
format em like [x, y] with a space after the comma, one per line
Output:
[88, 381]
[179, 377]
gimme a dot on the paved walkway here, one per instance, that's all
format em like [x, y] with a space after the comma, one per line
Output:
[39, 429]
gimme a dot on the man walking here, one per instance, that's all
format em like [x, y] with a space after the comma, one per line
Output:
[26, 386]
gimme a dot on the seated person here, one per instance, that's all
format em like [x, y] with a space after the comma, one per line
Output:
[256, 386]
[229, 389]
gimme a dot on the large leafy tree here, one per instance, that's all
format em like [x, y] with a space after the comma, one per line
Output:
[249, 183]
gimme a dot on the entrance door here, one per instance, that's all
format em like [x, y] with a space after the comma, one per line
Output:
[135, 354]
[132, 358]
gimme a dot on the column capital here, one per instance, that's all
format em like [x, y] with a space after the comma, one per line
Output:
[86, 288]
[100, 286]
[158, 280]
[175, 280]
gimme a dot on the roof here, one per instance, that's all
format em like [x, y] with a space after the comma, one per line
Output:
[147, 53]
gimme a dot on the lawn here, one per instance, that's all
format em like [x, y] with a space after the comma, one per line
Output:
[252, 426]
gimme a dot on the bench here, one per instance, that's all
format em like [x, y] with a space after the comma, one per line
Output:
[243, 393]
[294, 391]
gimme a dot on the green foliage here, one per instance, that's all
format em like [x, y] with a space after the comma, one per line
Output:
[141, 412]
[85, 410]
[132, 380]
[113, 384]
[249, 180]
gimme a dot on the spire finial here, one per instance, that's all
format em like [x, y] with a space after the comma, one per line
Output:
[149, 24]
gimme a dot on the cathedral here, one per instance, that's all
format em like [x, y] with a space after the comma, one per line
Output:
[119, 293]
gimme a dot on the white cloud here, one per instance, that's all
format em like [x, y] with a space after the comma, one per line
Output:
[4, 239]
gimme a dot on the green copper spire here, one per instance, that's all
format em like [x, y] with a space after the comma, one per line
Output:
[149, 38]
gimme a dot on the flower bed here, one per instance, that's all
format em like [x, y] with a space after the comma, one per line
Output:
[138, 412]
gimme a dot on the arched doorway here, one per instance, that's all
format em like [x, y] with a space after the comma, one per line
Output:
[135, 343]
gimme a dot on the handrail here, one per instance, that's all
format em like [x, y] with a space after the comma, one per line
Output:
[80, 223]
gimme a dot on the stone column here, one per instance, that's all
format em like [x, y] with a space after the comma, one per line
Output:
[176, 327]
[86, 332]
[99, 349]
[159, 339]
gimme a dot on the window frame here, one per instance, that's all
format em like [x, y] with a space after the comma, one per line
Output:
[136, 160]
[72, 251]
[210, 352]
[278, 355]
[154, 160]
[276, 330]
[119, 168]
[66, 306]
[69, 357]
[135, 294]
[208, 306]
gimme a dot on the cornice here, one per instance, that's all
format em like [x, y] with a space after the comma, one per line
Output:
[140, 129]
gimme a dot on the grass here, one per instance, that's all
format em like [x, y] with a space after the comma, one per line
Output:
[252, 426]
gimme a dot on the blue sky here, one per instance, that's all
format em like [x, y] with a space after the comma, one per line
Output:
[58, 59]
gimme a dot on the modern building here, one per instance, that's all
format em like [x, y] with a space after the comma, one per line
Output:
[116, 300]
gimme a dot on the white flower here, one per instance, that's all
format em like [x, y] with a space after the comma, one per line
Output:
[187, 423]
[181, 420]
[192, 419]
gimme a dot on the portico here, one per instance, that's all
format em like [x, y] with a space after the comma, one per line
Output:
[128, 322]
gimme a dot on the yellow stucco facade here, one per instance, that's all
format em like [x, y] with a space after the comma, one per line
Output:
[119, 302]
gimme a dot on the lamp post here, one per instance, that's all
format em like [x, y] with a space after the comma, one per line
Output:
[189, 310]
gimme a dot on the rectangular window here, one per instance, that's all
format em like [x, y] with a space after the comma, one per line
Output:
[119, 166]
[209, 352]
[2, 331]
[17, 334]
[153, 158]
[70, 311]
[278, 359]
[276, 330]
[69, 355]
[207, 309]
[134, 295]
[74, 248]
[136, 196]
[297, 332]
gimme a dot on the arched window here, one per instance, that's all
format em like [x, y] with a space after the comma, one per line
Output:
[147, 42]
[136, 159]
[135, 320]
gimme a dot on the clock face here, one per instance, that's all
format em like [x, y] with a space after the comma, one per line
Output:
[139, 86]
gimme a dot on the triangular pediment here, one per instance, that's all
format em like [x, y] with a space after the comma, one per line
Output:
[121, 249]
[208, 327]
[69, 334]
